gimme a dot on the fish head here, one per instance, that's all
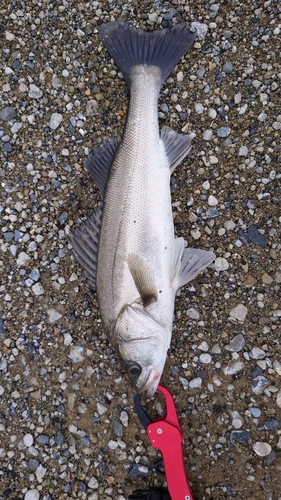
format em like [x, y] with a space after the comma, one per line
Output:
[142, 344]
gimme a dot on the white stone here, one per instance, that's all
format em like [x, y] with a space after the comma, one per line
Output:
[53, 315]
[199, 108]
[55, 121]
[93, 483]
[278, 399]
[23, 259]
[206, 185]
[205, 358]
[243, 151]
[40, 473]
[195, 383]
[221, 264]
[204, 346]
[212, 113]
[38, 289]
[229, 225]
[213, 160]
[32, 494]
[195, 233]
[28, 440]
[180, 76]
[207, 135]
[234, 368]
[101, 409]
[112, 445]
[212, 201]
[67, 339]
[192, 313]
[239, 313]
[9, 36]
[262, 449]
[277, 366]
[76, 354]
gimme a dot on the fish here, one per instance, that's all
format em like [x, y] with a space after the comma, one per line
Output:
[127, 247]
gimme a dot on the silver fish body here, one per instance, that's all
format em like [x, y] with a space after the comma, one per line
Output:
[137, 263]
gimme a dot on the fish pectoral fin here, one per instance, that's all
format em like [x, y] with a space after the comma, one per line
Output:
[191, 262]
[99, 162]
[177, 146]
[85, 243]
[144, 279]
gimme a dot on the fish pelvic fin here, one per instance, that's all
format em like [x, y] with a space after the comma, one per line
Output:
[131, 47]
[188, 263]
[177, 146]
[144, 279]
[99, 162]
[85, 244]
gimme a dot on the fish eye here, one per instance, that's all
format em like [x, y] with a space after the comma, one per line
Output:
[133, 369]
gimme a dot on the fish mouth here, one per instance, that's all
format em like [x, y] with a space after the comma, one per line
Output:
[151, 384]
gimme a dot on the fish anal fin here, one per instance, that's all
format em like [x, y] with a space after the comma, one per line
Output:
[144, 279]
[99, 162]
[192, 262]
[85, 244]
[177, 146]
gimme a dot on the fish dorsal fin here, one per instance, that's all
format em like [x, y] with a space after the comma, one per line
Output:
[177, 146]
[188, 263]
[85, 243]
[99, 161]
[144, 279]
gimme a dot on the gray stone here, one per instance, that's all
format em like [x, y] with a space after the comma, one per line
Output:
[8, 113]
[55, 121]
[227, 67]
[236, 344]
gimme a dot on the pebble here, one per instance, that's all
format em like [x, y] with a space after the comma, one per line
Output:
[207, 135]
[199, 108]
[234, 368]
[243, 151]
[236, 344]
[262, 449]
[28, 440]
[23, 259]
[53, 315]
[227, 67]
[212, 201]
[192, 313]
[38, 289]
[257, 353]
[8, 113]
[223, 132]
[239, 313]
[229, 225]
[206, 185]
[240, 436]
[195, 383]
[256, 412]
[256, 237]
[34, 92]
[212, 212]
[205, 358]
[55, 121]
[260, 383]
[221, 264]
[32, 494]
[266, 279]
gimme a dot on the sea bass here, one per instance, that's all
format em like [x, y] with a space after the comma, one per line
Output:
[127, 247]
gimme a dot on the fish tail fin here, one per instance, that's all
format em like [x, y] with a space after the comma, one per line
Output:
[131, 47]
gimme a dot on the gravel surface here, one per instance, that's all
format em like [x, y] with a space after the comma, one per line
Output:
[68, 429]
